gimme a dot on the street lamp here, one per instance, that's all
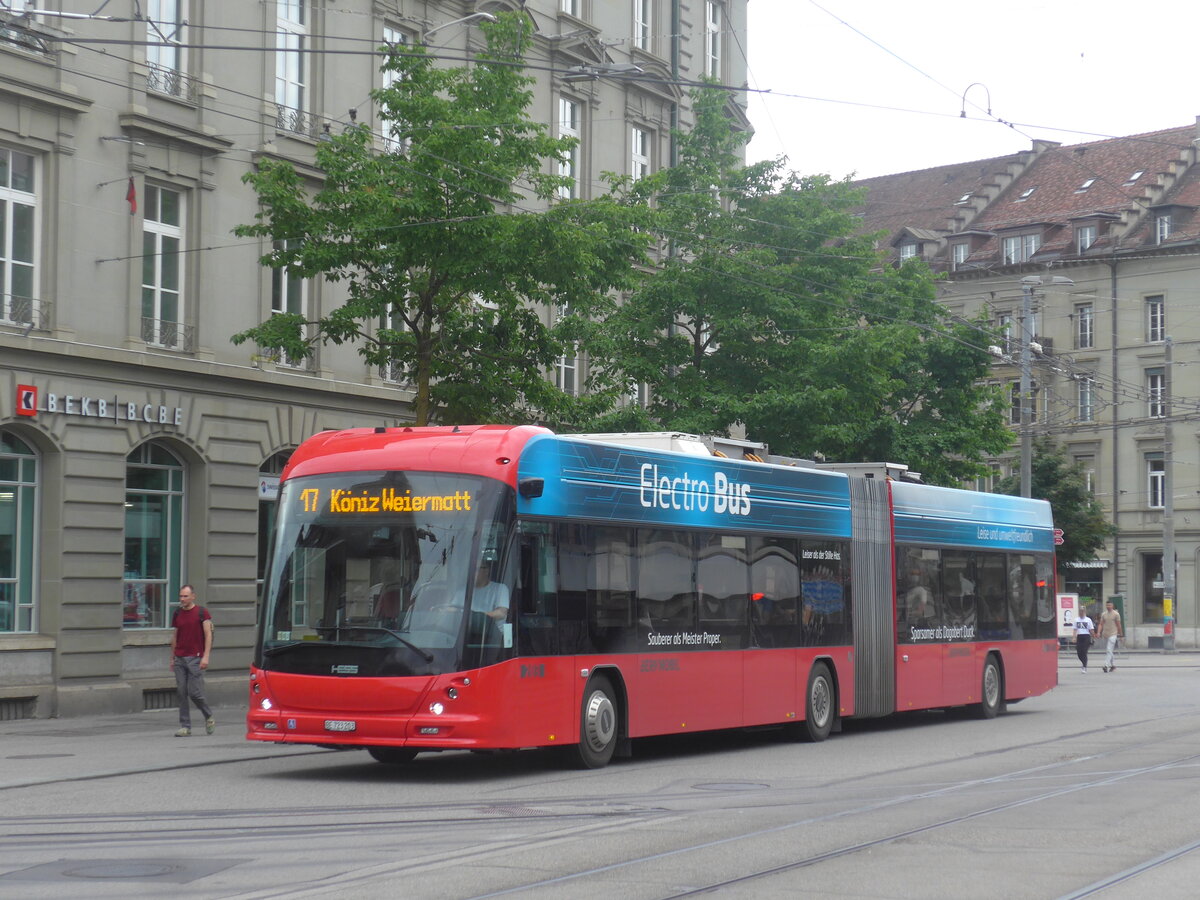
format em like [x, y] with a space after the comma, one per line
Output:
[473, 17]
[1027, 285]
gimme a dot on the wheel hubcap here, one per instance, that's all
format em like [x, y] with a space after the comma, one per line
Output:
[599, 721]
[991, 686]
[820, 701]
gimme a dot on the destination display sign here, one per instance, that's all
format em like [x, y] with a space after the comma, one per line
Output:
[380, 500]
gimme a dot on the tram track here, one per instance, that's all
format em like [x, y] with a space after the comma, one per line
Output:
[541, 823]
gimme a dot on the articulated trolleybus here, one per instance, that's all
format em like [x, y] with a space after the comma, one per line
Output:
[494, 587]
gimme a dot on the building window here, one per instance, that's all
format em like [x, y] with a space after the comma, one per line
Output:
[1085, 236]
[291, 66]
[566, 373]
[1134, 177]
[393, 37]
[1019, 248]
[908, 251]
[1086, 397]
[1162, 228]
[570, 7]
[1156, 480]
[162, 268]
[1156, 392]
[23, 37]
[1004, 325]
[165, 24]
[1087, 466]
[1085, 326]
[639, 160]
[643, 24]
[392, 321]
[18, 237]
[154, 538]
[1015, 409]
[959, 253]
[1156, 319]
[568, 166]
[289, 294]
[268, 508]
[1025, 194]
[713, 26]
[1087, 184]
[18, 534]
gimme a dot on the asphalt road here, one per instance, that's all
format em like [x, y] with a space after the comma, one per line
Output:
[1092, 789]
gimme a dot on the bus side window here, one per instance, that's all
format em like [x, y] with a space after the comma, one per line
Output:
[574, 566]
[537, 610]
[775, 593]
[723, 588]
[610, 588]
[666, 588]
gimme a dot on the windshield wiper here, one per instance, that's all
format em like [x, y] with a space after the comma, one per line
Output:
[273, 651]
[425, 654]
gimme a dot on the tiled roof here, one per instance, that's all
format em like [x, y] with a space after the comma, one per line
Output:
[930, 198]
[1118, 183]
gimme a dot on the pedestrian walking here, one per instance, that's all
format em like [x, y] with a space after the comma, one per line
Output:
[1085, 628]
[191, 642]
[1109, 634]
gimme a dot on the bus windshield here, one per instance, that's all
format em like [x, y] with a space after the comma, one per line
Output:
[388, 573]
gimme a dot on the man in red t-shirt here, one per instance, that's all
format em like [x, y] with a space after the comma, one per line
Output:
[191, 642]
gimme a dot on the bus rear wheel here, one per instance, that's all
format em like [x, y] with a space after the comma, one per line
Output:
[819, 704]
[990, 690]
[598, 724]
[392, 756]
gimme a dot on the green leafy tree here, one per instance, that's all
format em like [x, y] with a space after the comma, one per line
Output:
[771, 311]
[1076, 510]
[447, 278]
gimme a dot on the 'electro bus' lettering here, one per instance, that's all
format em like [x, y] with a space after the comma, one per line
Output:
[682, 492]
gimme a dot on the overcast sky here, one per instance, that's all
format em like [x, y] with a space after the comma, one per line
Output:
[868, 87]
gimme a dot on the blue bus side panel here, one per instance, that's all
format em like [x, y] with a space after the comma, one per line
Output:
[611, 483]
[930, 515]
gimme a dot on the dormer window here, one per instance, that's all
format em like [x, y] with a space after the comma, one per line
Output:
[909, 250]
[1162, 227]
[1019, 248]
[1134, 177]
[1085, 236]
[959, 252]
[1025, 195]
[1083, 187]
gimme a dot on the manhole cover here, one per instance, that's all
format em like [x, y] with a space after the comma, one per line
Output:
[122, 870]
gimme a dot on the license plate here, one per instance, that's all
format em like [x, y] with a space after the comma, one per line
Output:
[339, 725]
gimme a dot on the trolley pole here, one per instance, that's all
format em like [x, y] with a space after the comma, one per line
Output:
[1168, 518]
[1026, 386]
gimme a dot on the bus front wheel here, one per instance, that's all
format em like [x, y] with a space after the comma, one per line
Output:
[819, 704]
[598, 724]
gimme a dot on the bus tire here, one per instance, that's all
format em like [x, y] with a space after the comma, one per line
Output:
[598, 724]
[392, 756]
[991, 689]
[819, 704]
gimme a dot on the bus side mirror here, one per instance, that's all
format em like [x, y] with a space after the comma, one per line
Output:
[530, 488]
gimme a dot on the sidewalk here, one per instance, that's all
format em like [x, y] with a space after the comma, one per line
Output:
[39, 751]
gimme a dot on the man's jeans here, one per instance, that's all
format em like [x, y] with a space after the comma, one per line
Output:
[1110, 648]
[189, 684]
